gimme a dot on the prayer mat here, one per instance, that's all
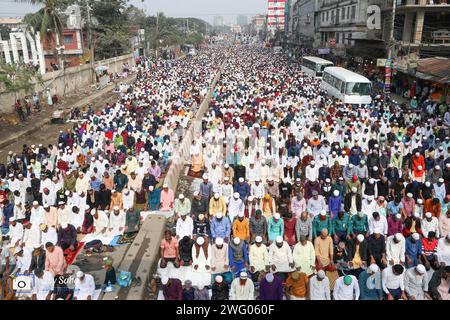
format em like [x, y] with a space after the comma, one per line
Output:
[71, 255]
[196, 175]
[115, 241]
[127, 237]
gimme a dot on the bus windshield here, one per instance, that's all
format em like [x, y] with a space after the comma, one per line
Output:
[358, 89]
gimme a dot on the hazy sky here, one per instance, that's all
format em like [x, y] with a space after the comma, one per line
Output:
[204, 9]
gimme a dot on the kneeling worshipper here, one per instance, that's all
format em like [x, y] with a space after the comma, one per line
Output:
[84, 286]
[117, 222]
[67, 237]
[346, 288]
[280, 256]
[220, 289]
[242, 288]
[172, 288]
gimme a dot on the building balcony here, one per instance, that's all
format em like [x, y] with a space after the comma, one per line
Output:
[405, 4]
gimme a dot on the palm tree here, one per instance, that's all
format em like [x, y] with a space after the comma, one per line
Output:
[48, 21]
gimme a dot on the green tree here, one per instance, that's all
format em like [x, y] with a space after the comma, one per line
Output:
[18, 77]
[48, 21]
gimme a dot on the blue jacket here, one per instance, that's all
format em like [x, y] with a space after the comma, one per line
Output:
[220, 229]
[230, 255]
[8, 212]
[243, 190]
[413, 251]
[334, 203]
[370, 294]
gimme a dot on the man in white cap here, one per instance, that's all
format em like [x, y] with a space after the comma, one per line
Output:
[48, 234]
[443, 251]
[370, 283]
[15, 232]
[37, 213]
[128, 199]
[217, 204]
[219, 257]
[220, 289]
[280, 256]
[242, 288]
[275, 228]
[271, 288]
[117, 222]
[182, 204]
[184, 226]
[64, 213]
[238, 255]
[172, 288]
[44, 285]
[319, 287]
[31, 235]
[430, 224]
[84, 286]
[82, 183]
[304, 256]
[235, 206]
[167, 198]
[416, 283]
[395, 249]
[101, 222]
[258, 258]
[201, 255]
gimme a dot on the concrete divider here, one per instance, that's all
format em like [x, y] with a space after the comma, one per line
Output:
[181, 155]
[140, 258]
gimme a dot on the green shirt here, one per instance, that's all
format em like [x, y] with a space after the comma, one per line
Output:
[318, 225]
[341, 225]
[360, 225]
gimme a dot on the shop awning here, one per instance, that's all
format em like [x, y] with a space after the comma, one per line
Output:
[436, 69]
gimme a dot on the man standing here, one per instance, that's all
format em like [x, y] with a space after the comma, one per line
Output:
[242, 288]
[392, 279]
[304, 256]
[346, 288]
[271, 288]
[280, 256]
[258, 258]
[324, 252]
[319, 287]
[416, 283]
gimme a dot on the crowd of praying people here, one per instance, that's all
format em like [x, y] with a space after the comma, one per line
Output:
[298, 196]
[92, 185]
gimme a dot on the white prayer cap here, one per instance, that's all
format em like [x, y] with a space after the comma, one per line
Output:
[323, 213]
[219, 241]
[374, 268]
[165, 185]
[181, 196]
[370, 198]
[419, 201]
[354, 189]
[226, 166]
[236, 195]
[164, 280]
[151, 188]
[371, 180]
[236, 240]
[196, 193]
[219, 279]
[243, 275]
[409, 195]
[441, 180]
[35, 203]
[420, 269]
[219, 215]
[11, 175]
[216, 195]
[241, 179]
[362, 162]
[226, 178]
[419, 168]
[17, 202]
[258, 239]
[276, 216]
[64, 225]
[360, 237]
[200, 241]
[398, 216]
[427, 183]
[321, 274]
[428, 215]
[350, 166]
[415, 236]
[205, 176]
[80, 274]
[126, 191]
[375, 168]
[116, 208]
[312, 162]
[417, 214]
[12, 219]
[183, 213]
[279, 239]
[398, 236]
[240, 214]
[269, 277]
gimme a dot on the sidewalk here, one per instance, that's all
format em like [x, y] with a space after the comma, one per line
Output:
[12, 133]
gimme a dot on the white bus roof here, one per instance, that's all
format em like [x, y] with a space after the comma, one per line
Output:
[346, 75]
[317, 59]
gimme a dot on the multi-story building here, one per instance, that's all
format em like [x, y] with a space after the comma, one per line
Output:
[242, 20]
[276, 16]
[343, 25]
[305, 23]
[218, 21]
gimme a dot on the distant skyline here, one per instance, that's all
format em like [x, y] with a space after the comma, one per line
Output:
[203, 9]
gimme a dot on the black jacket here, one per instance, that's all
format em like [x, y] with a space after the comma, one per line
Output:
[363, 249]
[435, 282]
[37, 262]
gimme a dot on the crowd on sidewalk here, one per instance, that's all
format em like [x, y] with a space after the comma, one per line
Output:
[303, 197]
[91, 185]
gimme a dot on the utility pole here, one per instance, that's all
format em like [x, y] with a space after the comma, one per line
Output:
[391, 42]
[91, 45]
[157, 35]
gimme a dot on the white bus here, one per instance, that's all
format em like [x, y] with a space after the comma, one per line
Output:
[314, 66]
[347, 86]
